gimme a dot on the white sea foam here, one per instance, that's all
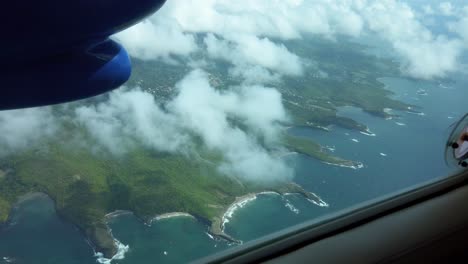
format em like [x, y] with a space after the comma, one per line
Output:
[368, 133]
[320, 202]
[121, 250]
[421, 92]
[389, 112]
[330, 148]
[416, 113]
[357, 165]
[269, 193]
[383, 154]
[291, 207]
[323, 128]
[400, 123]
[317, 201]
[165, 253]
[355, 140]
[209, 235]
[450, 117]
[241, 203]
[445, 86]
[232, 209]
[8, 259]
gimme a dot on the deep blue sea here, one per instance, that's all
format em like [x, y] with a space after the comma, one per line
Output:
[405, 151]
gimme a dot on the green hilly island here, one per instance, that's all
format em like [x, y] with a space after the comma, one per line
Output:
[86, 185]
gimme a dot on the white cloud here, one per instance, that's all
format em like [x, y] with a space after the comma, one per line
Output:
[207, 112]
[431, 59]
[460, 26]
[198, 111]
[249, 33]
[21, 129]
[130, 117]
[252, 54]
[427, 9]
[264, 17]
[254, 74]
[446, 8]
[423, 54]
[284, 19]
[157, 37]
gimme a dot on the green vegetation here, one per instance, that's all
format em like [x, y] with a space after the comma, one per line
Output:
[314, 150]
[342, 74]
[87, 185]
[337, 73]
[4, 210]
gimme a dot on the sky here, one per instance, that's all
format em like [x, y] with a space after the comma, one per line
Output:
[427, 37]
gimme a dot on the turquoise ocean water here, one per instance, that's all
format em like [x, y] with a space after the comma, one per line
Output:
[405, 151]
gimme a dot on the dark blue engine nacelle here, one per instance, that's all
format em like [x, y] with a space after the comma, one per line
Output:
[55, 51]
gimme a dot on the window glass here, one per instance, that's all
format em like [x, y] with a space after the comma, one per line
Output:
[241, 118]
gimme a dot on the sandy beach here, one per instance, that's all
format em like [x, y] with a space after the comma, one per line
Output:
[170, 215]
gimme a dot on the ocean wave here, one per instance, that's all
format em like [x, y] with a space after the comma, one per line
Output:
[445, 87]
[383, 154]
[368, 133]
[388, 111]
[8, 259]
[330, 148]
[236, 205]
[421, 92]
[268, 193]
[320, 203]
[323, 128]
[416, 113]
[249, 198]
[291, 207]
[210, 236]
[400, 123]
[121, 250]
[317, 200]
[356, 165]
[355, 140]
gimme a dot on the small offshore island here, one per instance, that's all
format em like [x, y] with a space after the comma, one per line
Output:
[87, 186]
